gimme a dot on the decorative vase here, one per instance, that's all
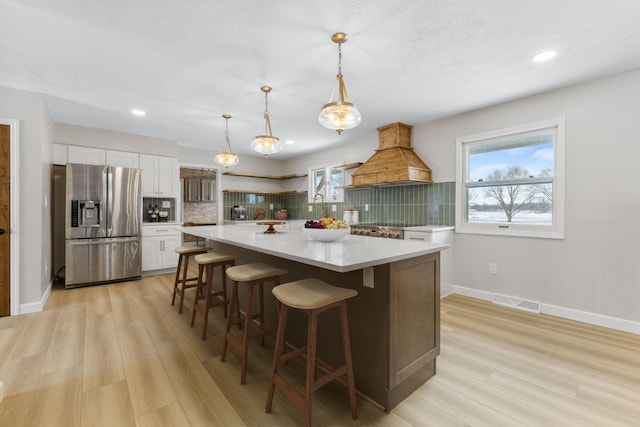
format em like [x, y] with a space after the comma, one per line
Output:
[281, 214]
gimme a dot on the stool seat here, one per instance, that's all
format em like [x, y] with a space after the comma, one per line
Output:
[256, 271]
[182, 250]
[309, 294]
[213, 257]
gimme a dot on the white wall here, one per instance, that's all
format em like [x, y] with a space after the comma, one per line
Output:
[595, 268]
[35, 220]
[101, 138]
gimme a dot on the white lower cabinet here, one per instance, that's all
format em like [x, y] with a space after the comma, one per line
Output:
[435, 234]
[158, 247]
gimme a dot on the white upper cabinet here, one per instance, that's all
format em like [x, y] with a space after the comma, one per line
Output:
[124, 159]
[87, 155]
[160, 176]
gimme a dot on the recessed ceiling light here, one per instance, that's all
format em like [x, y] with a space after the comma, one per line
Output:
[289, 142]
[545, 56]
[138, 113]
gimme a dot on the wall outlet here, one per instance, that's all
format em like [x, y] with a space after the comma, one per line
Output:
[366, 207]
[270, 206]
[334, 208]
[310, 208]
[493, 268]
[367, 277]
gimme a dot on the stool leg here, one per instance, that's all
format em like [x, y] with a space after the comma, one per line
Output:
[184, 281]
[248, 314]
[224, 288]
[346, 345]
[238, 316]
[177, 279]
[234, 303]
[208, 290]
[277, 353]
[312, 330]
[198, 293]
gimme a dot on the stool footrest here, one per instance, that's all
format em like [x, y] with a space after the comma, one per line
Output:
[334, 374]
[290, 391]
[291, 354]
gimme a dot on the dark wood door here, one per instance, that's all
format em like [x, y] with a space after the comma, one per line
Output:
[5, 168]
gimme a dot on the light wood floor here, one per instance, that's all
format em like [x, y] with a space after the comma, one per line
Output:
[121, 355]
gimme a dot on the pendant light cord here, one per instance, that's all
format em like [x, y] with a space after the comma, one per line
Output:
[339, 58]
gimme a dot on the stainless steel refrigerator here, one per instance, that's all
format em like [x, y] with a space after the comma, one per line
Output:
[103, 220]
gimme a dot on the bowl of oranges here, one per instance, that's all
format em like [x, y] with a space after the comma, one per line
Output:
[326, 229]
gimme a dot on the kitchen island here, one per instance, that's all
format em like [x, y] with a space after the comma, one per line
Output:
[394, 321]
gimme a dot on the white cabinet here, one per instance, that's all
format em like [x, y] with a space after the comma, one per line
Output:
[437, 234]
[123, 159]
[158, 247]
[160, 176]
[60, 154]
[87, 155]
[63, 153]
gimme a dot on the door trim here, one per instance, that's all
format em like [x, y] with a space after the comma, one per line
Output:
[14, 226]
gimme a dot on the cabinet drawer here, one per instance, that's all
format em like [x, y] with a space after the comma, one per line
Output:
[155, 230]
[418, 235]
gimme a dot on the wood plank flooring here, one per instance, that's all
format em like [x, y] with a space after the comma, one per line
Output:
[121, 355]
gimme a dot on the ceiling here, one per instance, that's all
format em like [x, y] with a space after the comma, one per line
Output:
[187, 62]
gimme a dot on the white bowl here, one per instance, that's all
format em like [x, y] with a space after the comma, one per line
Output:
[326, 234]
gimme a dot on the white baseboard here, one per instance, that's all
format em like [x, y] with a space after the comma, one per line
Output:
[34, 307]
[563, 312]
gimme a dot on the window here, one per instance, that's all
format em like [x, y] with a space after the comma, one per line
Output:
[511, 182]
[328, 182]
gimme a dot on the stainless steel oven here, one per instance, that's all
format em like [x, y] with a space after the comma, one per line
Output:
[374, 230]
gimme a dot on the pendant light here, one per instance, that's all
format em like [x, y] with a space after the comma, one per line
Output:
[266, 144]
[342, 114]
[227, 158]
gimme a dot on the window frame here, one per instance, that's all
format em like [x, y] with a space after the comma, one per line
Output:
[328, 170]
[553, 231]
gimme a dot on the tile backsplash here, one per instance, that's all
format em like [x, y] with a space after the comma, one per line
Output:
[412, 204]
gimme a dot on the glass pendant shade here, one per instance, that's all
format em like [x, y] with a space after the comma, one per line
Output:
[227, 158]
[266, 144]
[342, 114]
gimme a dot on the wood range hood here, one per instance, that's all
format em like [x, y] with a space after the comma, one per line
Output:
[394, 162]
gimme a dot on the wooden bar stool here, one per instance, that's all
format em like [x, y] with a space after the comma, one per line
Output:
[183, 283]
[313, 297]
[252, 275]
[204, 289]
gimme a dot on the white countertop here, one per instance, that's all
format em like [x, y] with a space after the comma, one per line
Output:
[347, 254]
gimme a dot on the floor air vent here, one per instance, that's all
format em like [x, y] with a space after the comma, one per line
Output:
[519, 303]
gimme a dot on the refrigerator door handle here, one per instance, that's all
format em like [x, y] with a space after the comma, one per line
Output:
[107, 185]
[86, 242]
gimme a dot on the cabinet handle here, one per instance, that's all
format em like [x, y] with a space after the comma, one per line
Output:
[417, 238]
